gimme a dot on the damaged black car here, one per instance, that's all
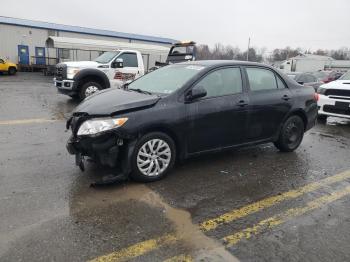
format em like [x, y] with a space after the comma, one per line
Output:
[187, 109]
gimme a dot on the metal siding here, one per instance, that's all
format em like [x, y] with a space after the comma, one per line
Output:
[81, 30]
[12, 36]
[85, 36]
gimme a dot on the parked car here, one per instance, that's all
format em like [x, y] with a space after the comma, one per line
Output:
[187, 109]
[111, 69]
[8, 67]
[327, 76]
[334, 98]
[306, 79]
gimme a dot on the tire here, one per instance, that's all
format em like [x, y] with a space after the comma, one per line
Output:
[148, 166]
[88, 89]
[12, 71]
[291, 134]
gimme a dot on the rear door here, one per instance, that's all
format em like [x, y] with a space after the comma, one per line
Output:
[217, 120]
[269, 102]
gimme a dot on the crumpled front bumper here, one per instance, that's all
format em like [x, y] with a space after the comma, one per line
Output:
[104, 149]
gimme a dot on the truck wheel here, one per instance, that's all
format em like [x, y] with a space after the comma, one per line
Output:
[12, 71]
[153, 157]
[291, 134]
[88, 89]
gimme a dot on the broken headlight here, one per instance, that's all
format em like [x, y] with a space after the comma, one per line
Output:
[95, 126]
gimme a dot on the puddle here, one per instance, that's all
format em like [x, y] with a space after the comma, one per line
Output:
[203, 248]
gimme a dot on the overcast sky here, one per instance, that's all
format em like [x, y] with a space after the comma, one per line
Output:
[309, 24]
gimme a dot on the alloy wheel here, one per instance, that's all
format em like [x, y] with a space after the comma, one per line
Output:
[153, 157]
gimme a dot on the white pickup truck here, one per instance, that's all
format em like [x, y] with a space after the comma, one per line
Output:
[111, 69]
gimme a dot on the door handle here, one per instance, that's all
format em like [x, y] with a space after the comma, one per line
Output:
[242, 103]
[285, 97]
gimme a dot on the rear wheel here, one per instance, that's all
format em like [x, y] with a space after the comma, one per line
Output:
[88, 89]
[12, 71]
[153, 157]
[291, 134]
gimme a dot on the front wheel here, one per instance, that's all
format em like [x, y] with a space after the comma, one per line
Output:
[153, 158]
[291, 134]
[88, 89]
[12, 71]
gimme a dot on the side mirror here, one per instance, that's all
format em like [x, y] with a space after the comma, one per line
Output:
[118, 63]
[196, 93]
[301, 82]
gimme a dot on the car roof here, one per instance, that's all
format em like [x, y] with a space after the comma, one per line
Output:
[208, 63]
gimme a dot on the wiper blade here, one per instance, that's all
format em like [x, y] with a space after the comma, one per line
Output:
[140, 91]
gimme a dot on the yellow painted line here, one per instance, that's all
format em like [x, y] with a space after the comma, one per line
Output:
[26, 121]
[270, 201]
[137, 249]
[180, 258]
[284, 217]
[152, 244]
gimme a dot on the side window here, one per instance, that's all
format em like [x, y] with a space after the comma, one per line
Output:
[261, 79]
[280, 83]
[130, 59]
[222, 82]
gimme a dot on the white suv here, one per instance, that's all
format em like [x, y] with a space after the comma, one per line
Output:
[334, 98]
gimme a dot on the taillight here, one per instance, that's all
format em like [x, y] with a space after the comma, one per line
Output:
[316, 96]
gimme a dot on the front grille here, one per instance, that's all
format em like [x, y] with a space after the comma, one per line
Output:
[337, 92]
[335, 110]
[61, 71]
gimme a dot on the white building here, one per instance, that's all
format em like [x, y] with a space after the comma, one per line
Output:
[37, 43]
[311, 63]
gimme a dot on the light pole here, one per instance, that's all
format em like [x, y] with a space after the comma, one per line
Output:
[248, 49]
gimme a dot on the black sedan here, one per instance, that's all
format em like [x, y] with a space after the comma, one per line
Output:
[188, 109]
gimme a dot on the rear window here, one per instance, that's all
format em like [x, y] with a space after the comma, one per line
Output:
[261, 79]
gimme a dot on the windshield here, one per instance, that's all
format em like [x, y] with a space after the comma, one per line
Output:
[167, 79]
[106, 57]
[346, 76]
[180, 50]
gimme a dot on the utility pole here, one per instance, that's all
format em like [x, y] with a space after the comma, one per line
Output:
[248, 49]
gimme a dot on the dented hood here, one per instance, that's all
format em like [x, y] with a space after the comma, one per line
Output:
[112, 101]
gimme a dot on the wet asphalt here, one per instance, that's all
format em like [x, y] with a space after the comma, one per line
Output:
[49, 212]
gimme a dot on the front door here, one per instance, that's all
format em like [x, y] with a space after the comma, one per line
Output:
[23, 54]
[269, 102]
[218, 120]
[130, 70]
[40, 55]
